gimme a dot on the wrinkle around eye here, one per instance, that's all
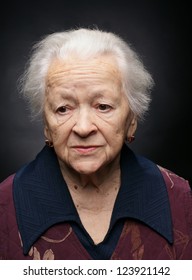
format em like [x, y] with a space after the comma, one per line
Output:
[62, 118]
[104, 108]
[63, 110]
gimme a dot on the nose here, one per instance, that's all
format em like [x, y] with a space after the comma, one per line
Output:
[84, 125]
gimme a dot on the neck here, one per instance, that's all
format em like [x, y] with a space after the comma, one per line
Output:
[101, 181]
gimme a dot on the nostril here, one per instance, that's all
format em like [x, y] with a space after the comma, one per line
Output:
[84, 129]
[84, 133]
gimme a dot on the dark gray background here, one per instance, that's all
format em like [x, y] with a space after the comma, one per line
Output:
[158, 30]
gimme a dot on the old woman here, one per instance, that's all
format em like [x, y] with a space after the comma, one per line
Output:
[87, 195]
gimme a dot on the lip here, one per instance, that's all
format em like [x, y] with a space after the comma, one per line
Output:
[85, 149]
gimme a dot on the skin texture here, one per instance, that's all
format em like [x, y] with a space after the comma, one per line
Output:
[87, 117]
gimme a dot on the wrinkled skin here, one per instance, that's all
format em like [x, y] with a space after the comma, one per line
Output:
[87, 116]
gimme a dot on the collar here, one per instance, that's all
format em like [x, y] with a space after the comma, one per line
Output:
[42, 199]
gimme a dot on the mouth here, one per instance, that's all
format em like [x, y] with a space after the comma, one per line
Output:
[85, 149]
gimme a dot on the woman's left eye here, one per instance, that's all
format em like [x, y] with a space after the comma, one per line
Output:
[104, 107]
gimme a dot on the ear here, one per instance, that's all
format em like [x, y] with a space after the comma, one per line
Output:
[132, 128]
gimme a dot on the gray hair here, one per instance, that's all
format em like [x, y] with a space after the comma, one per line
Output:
[86, 43]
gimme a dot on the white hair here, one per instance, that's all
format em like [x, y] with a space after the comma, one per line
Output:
[86, 43]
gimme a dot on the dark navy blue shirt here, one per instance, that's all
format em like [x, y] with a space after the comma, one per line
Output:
[42, 199]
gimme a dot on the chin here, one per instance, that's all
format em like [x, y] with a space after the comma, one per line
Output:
[86, 169]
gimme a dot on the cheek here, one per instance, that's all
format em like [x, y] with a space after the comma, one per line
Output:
[120, 136]
[120, 126]
[114, 135]
[57, 130]
[58, 133]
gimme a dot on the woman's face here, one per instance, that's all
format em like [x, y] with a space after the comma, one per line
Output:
[87, 115]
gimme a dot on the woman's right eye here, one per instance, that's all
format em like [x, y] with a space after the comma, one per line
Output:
[62, 110]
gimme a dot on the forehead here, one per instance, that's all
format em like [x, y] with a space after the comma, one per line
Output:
[76, 71]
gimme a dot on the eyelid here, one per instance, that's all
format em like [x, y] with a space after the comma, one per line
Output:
[108, 107]
[62, 107]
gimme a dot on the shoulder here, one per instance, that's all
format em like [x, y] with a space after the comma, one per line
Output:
[179, 190]
[6, 187]
[180, 197]
[10, 242]
[175, 182]
[6, 195]
[6, 199]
